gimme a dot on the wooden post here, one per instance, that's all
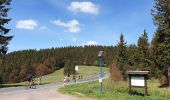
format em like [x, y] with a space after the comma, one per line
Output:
[146, 91]
[169, 81]
[130, 88]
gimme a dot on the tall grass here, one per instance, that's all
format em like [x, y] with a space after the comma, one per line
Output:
[117, 91]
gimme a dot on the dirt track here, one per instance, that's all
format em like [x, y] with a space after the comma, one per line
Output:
[41, 94]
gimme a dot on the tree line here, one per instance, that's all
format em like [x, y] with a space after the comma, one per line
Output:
[17, 65]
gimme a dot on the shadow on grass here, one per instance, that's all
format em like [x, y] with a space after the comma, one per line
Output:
[136, 93]
[163, 86]
[7, 85]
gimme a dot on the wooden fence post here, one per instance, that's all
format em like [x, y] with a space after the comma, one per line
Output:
[169, 76]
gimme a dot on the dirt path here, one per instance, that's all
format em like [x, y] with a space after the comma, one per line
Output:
[41, 94]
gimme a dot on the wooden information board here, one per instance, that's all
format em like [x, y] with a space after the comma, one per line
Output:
[138, 79]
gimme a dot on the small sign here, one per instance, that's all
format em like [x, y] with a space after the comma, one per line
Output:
[137, 81]
[76, 68]
[100, 80]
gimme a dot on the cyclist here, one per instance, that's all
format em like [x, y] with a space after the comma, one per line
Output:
[30, 79]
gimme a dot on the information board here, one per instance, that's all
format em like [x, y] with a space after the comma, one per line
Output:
[137, 81]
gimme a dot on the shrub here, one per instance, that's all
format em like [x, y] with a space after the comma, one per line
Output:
[115, 74]
[163, 80]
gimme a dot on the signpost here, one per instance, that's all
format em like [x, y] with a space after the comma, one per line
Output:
[76, 69]
[169, 76]
[138, 79]
[100, 78]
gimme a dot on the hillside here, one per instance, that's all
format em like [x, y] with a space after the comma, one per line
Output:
[17, 65]
[57, 76]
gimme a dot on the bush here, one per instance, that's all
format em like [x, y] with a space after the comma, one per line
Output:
[163, 80]
[115, 74]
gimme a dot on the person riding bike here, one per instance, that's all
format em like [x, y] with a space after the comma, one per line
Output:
[30, 79]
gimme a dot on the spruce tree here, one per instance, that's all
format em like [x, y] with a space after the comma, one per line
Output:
[161, 14]
[69, 68]
[122, 50]
[143, 47]
[161, 40]
[122, 56]
[4, 40]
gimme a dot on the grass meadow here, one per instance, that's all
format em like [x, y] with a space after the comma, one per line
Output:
[117, 91]
[57, 76]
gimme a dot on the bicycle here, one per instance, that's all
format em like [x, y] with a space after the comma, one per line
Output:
[27, 85]
[31, 85]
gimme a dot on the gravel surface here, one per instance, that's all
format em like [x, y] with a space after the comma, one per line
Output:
[40, 94]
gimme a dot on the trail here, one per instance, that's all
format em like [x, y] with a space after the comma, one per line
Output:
[42, 92]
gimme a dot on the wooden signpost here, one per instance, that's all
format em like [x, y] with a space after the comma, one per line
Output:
[138, 79]
[169, 76]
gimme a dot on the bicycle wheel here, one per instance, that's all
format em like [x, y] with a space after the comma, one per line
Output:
[34, 86]
[27, 86]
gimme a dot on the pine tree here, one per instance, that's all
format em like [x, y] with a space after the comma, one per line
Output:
[4, 8]
[161, 40]
[69, 68]
[122, 50]
[132, 56]
[122, 56]
[161, 14]
[143, 47]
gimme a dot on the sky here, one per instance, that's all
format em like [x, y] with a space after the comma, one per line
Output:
[40, 24]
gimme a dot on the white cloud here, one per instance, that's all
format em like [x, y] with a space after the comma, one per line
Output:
[85, 7]
[71, 26]
[29, 24]
[91, 43]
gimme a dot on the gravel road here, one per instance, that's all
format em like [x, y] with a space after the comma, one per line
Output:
[42, 92]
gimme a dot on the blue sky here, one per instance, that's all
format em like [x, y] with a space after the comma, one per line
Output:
[38, 24]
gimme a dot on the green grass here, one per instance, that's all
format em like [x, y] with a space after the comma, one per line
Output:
[57, 76]
[116, 91]
[85, 71]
